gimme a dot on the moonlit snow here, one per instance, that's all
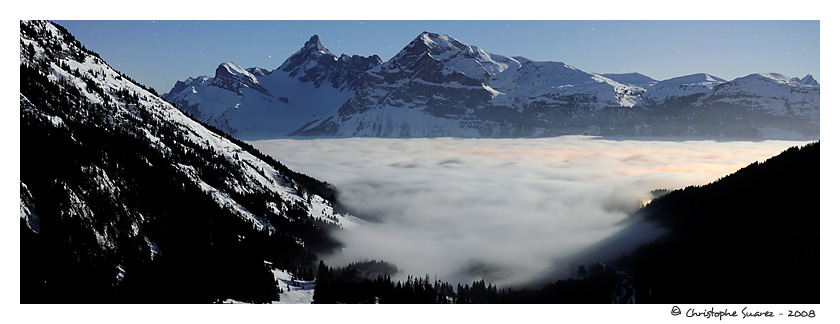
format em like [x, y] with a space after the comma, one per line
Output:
[506, 210]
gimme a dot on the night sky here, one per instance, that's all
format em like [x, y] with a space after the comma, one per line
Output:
[159, 53]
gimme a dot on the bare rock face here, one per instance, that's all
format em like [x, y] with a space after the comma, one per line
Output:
[316, 64]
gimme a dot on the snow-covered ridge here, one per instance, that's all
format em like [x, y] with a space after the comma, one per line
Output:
[768, 77]
[555, 82]
[232, 70]
[808, 80]
[633, 78]
[311, 50]
[692, 78]
[684, 86]
[259, 176]
[474, 62]
[485, 93]
[235, 71]
[772, 93]
[231, 77]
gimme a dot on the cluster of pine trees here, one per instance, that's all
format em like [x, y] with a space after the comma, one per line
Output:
[370, 282]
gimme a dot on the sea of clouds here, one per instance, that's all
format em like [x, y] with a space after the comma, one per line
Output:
[509, 211]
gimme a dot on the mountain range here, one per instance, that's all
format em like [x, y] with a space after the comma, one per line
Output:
[439, 86]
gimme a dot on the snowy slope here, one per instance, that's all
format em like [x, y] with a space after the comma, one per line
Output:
[460, 57]
[261, 175]
[557, 83]
[635, 79]
[115, 140]
[683, 86]
[294, 291]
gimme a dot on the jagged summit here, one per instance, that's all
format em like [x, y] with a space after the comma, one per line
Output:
[314, 43]
[315, 63]
[314, 40]
[809, 81]
[312, 50]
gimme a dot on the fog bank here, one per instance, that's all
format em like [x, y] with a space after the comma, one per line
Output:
[506, 210]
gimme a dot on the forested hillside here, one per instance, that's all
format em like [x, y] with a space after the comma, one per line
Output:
[123, 198]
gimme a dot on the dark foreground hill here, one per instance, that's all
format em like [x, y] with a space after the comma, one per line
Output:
[750, 237]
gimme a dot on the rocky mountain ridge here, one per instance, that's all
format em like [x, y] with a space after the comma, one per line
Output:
[439, 86]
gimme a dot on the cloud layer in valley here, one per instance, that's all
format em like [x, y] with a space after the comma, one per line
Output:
[506, 210]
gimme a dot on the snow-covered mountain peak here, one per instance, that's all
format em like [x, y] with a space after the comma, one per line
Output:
[312, 53]
[440, 47]
[632, 78]
[314, 43]
[692, 79]
[684, 86]
[442, 43]
[772, 78]
[772, 93]
[775, 76]
[809, 81]
[231, 70]
[231, 77]
[456, 55]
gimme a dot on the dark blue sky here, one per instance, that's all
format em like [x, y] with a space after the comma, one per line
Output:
[158, 53]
